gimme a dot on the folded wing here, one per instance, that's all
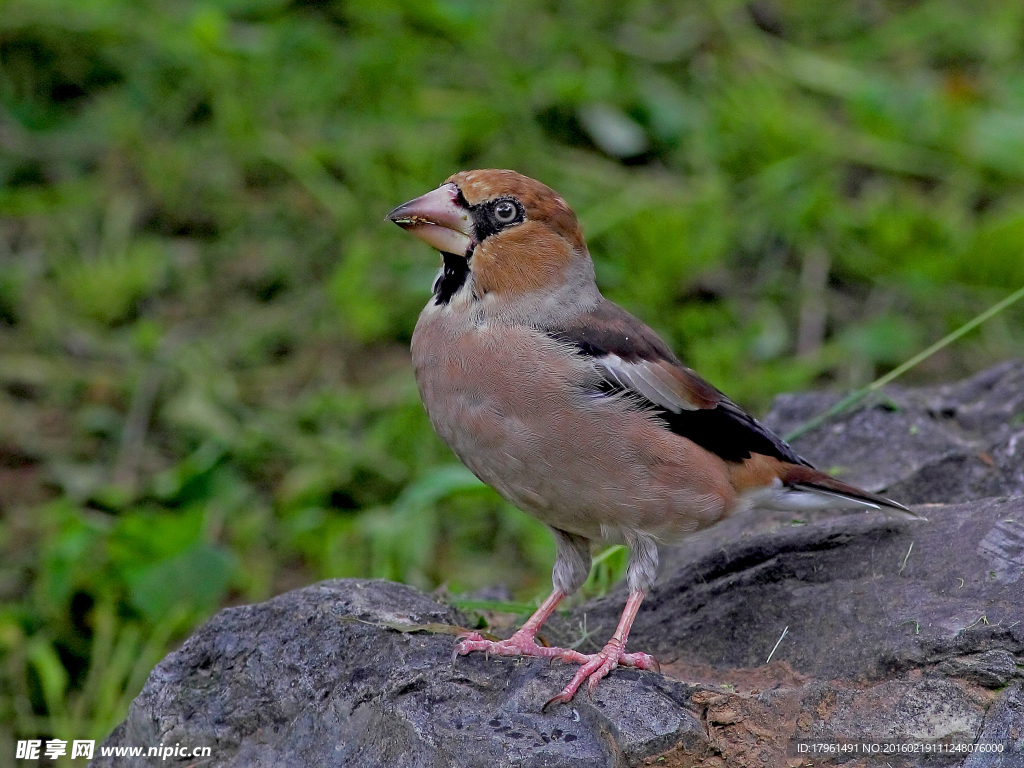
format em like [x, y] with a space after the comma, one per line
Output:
[636, 361]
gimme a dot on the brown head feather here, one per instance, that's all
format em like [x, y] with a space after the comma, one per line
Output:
[521, 259]
[530, 255]
[541, 202]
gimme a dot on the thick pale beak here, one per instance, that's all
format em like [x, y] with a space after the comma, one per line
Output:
[438, 219]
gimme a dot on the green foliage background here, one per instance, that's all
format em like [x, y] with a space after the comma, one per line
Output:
[205, 394]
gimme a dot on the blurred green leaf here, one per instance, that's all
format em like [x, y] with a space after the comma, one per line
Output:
[50, 671]
[198, 577]
[436, 485]
[607, 569]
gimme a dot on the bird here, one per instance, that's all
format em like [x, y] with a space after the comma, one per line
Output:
[574, 410]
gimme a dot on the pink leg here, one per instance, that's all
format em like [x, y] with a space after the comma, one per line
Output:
[597, 665]
[523, 642]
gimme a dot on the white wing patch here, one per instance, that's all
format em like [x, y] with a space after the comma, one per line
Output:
[650, 380]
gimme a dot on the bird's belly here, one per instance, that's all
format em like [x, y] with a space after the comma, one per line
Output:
[512, 408]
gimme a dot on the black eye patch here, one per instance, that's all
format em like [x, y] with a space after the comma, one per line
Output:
[495, 215]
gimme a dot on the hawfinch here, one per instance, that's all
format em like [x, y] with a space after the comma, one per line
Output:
[574, 410]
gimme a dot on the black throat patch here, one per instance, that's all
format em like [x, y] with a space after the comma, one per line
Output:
[452, 277]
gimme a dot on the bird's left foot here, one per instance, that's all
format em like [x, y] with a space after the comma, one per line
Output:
[520, 644]
[596, 666]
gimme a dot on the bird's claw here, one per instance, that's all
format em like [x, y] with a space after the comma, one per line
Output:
[517, 645]
[593, 666]
[640, 661]
[596, 666]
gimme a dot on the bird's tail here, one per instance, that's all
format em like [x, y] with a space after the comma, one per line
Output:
[770, 482]
[801, 480]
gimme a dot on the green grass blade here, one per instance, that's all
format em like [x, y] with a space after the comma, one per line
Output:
[855, 397]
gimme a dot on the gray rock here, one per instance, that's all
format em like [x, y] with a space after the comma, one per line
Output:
[863, 596]
[888, 645]
[324, 676]
[891, 631]
[1004, 728]
[944, 444]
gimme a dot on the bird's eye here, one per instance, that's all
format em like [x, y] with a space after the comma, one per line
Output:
[505, 211]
